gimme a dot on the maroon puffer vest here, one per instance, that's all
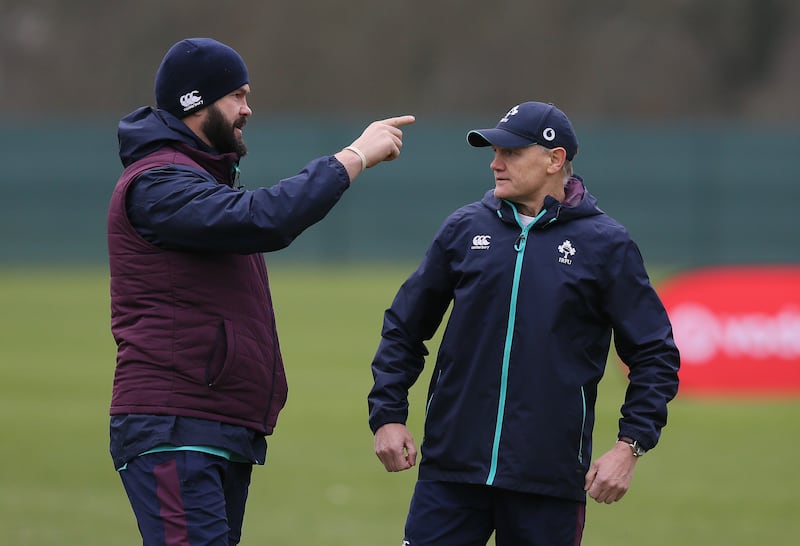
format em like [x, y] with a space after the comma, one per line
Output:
[195, 332]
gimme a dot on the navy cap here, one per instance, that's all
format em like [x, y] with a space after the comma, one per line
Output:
[195, 73]
[527, 124]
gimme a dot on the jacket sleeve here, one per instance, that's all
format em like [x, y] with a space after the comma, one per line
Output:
[412, 319]
[644, 341]
[180, 208]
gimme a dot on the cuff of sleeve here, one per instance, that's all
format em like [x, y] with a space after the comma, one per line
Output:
[336, 165]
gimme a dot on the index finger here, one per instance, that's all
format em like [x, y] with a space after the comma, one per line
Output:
[399, 121]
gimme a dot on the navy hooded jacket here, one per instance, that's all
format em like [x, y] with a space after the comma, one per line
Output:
[512, 395]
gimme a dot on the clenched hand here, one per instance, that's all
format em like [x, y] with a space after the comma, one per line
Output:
[395, 447]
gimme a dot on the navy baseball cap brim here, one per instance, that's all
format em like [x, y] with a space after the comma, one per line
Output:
[497, 137]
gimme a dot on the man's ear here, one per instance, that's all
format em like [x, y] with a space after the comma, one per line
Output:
[558, 157]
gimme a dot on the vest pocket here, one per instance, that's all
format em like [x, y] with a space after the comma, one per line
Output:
[222, 352]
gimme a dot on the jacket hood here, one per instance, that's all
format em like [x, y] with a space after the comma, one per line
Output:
[147, 129]
[577, 203]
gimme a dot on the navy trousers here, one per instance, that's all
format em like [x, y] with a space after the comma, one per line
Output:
[187, 498]
[457, 514]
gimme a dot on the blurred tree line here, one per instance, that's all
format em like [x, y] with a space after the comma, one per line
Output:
[640, 60]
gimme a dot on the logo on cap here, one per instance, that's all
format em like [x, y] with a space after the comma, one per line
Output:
[513, 112]
[191, 100]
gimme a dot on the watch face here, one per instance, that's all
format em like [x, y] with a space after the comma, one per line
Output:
[638, 451]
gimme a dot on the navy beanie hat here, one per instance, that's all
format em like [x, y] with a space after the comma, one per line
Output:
[195, 73]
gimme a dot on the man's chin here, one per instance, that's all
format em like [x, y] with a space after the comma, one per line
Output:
[500, 193]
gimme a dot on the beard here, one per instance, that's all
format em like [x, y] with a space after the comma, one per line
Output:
[221, 133]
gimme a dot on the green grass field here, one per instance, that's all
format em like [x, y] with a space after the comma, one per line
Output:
[725, 473]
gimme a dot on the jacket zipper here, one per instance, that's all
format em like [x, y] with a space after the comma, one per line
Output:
[583, 424]
[519, 246]
[433, 392]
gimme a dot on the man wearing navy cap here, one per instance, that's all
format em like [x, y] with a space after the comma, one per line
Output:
[537, 278]
[199, 380]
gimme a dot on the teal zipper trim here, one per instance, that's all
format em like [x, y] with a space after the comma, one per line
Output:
[583, 424]
[519, 246]
[433, 393]
[209, 450]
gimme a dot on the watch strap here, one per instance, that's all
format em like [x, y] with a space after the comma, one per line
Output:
[636, 447]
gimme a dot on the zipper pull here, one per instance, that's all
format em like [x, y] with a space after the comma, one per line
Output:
[519, 243]
[235, 175]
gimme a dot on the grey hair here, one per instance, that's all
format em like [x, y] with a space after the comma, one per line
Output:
[567, 171]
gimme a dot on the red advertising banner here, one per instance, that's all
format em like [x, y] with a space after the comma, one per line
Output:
[737, 328]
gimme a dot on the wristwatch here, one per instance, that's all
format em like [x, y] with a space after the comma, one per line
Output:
[636, 447]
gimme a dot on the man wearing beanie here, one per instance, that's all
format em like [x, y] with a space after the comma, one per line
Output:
[199, 380]
[536, 278]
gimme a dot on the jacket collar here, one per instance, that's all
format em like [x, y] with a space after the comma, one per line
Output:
[223, 167]
[578, 202]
